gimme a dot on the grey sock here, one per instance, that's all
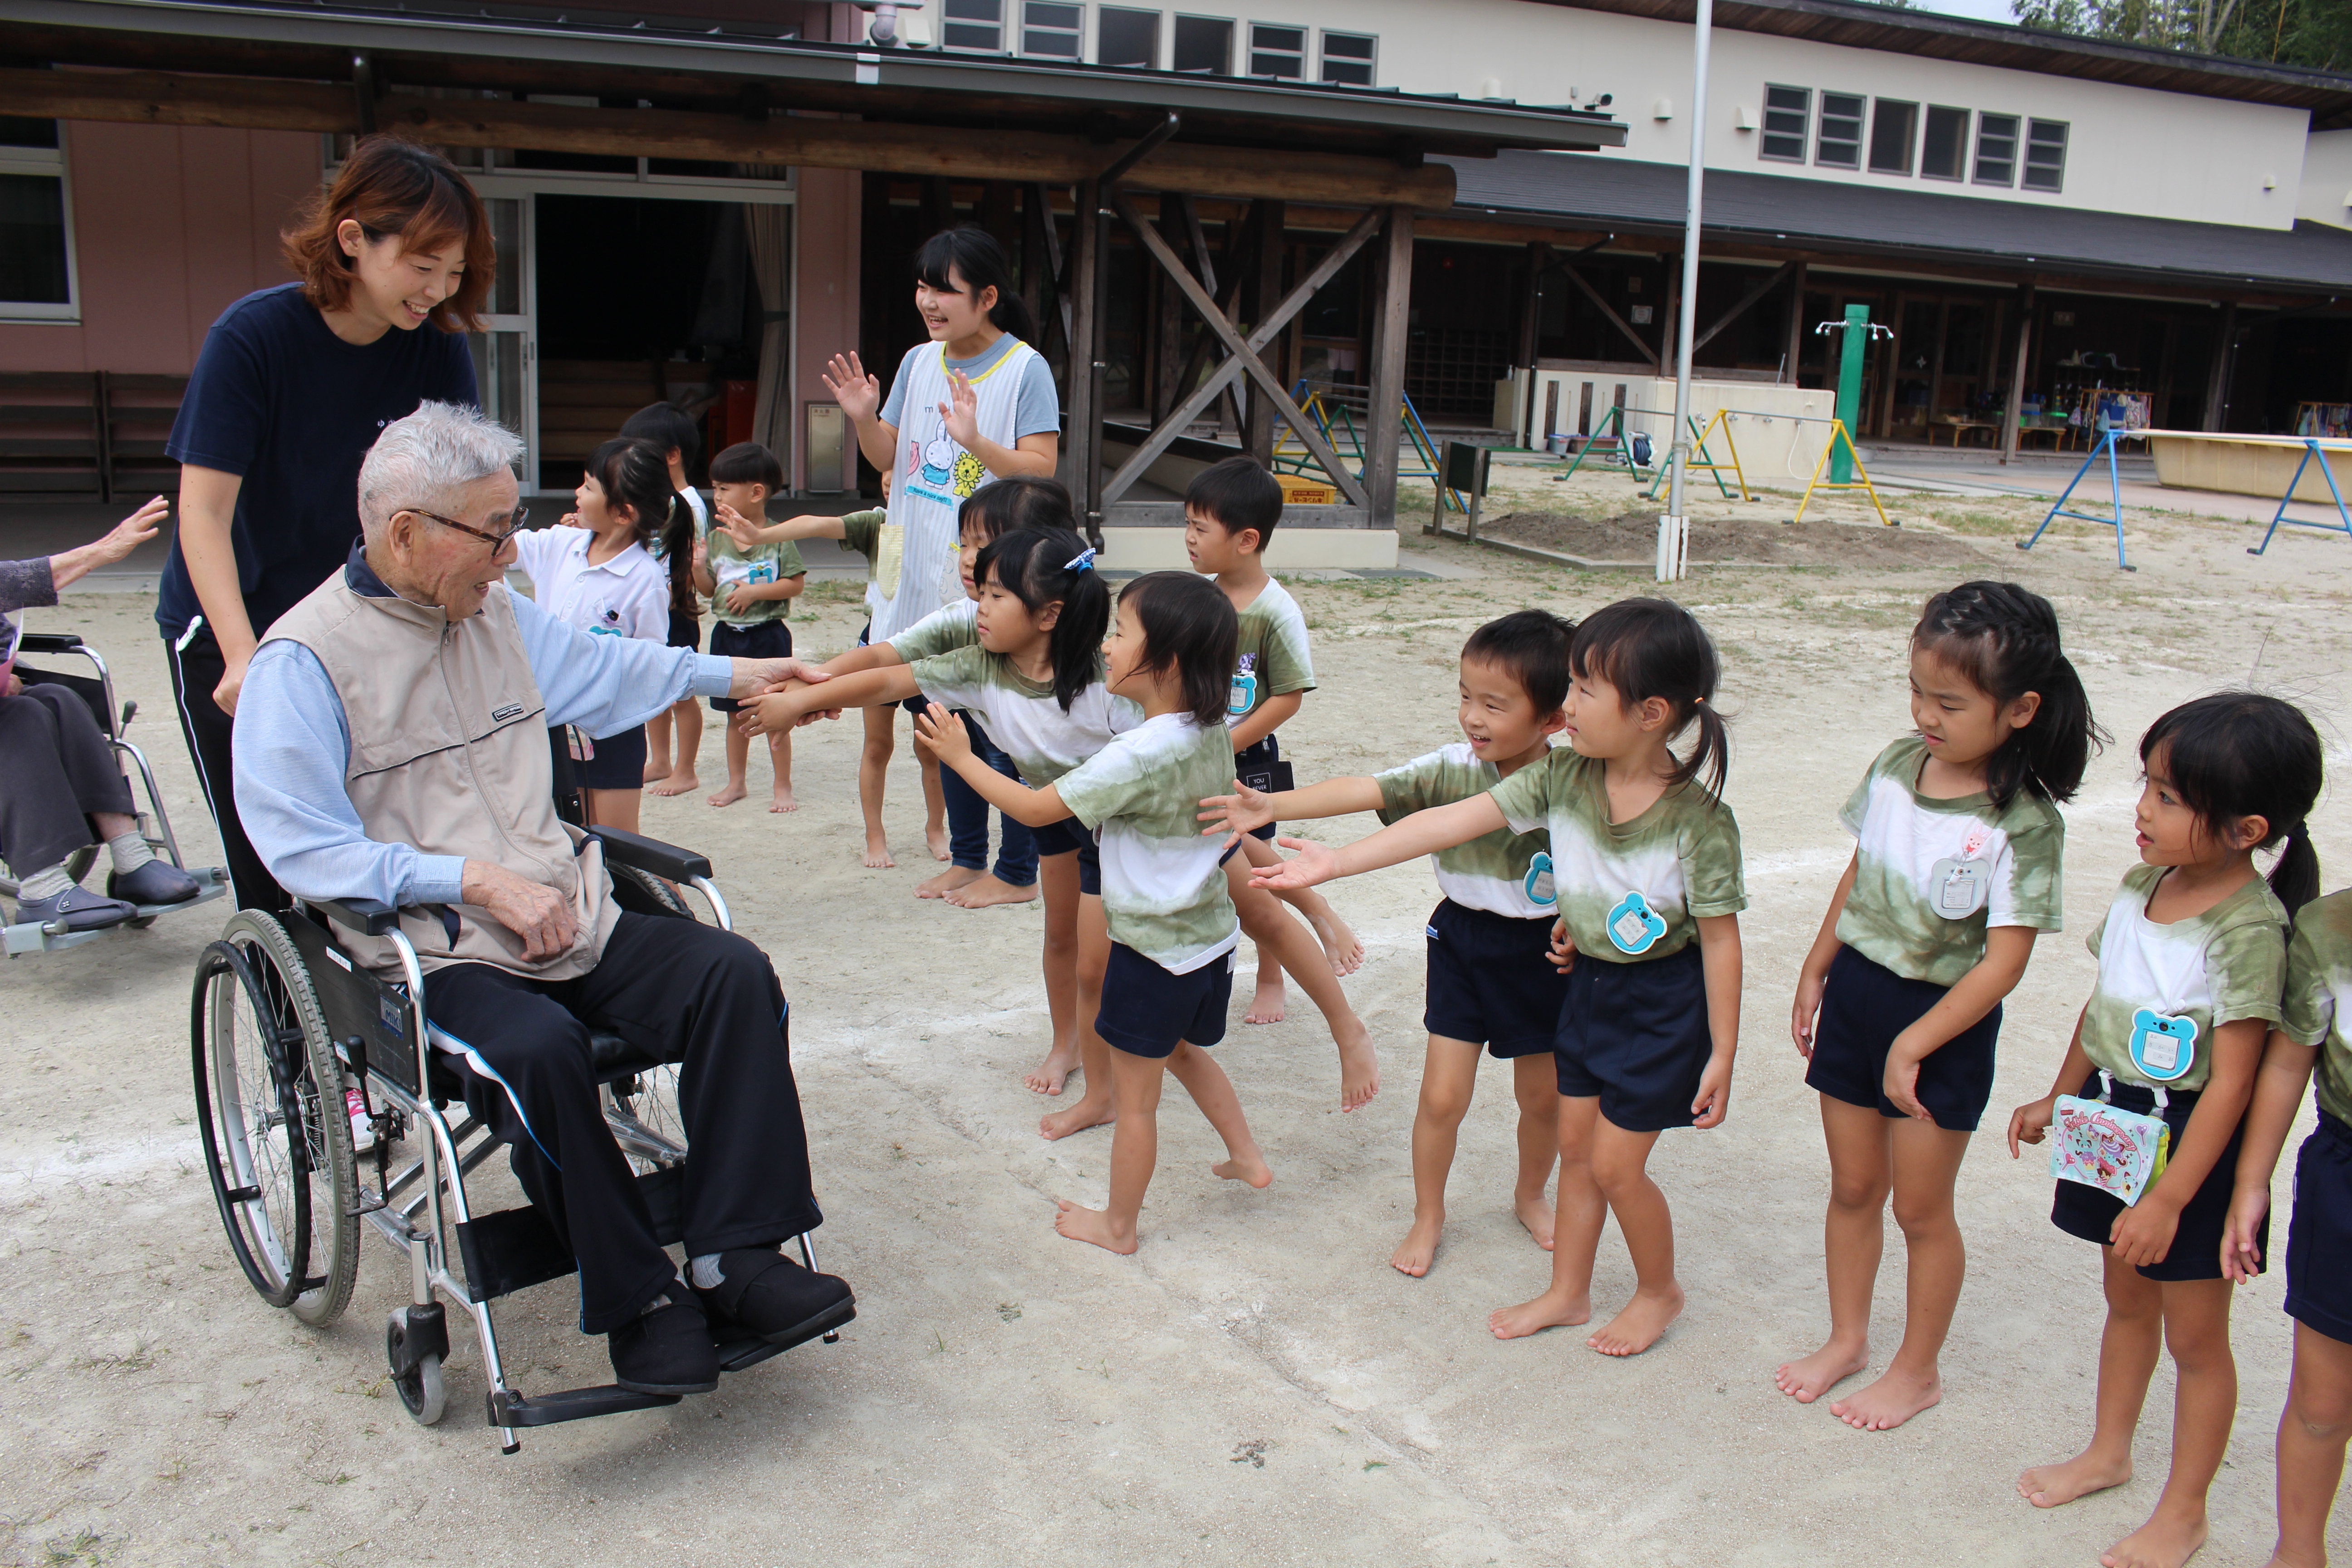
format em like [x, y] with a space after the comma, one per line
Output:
[129, 851]
[44, 884]
[704, 1271]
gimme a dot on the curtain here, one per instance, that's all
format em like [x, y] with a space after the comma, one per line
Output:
[768, 226]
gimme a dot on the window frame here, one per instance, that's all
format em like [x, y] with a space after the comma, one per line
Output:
[2026, 165]
[1224, 68]
[947, 21]
[1861, 118]
[1371, 62]
[1976, 175]
[1879, 106]
[1252, 51]
[49, 163]
[1804, 132]
[1075, 32]
[1104, 13]
[1966, 147]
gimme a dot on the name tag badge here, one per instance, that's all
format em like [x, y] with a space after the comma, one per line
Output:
[1957, 889]
[1634, 926]
[1540, 888]
[1241, 696]
[2163, 1047]
[762, 573]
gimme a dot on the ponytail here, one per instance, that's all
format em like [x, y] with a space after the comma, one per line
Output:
[973, 255]
[2237, 754]
[2004, 639]
[1655, 647]
[1041, 566]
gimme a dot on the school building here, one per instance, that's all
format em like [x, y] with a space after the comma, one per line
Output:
[1230, 225]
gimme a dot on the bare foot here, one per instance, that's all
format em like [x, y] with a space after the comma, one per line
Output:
[1090, 1224]
[1808, 1378]
[1086, 1113]
[936, 835]
[655, 771]
[1637, 1327]
[2166, 1540]
[781, 800]
[676, 784]
[1256, 1173]
[732, 792]
[878, 854]
[1267, 1006]
[2055, 1486]
[1340, 944]
[1360, 1069]
[1051, 1074]
[1545, 1311]
[1536, 1215]
[1885, 1405]
[986, 892]
[1418, 1250]
[946, 882]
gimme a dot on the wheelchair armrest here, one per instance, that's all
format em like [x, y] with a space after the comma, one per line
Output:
[49, 642]
[362, 915]
[665, 860]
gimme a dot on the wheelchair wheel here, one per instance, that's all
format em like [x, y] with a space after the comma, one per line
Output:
[643, 1113]
[420, 1388]
[270, 1107]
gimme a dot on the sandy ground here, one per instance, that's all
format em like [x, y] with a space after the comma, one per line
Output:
[1257, 1385]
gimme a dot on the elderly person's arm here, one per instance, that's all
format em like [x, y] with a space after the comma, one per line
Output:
[606, 685]
[26, 584]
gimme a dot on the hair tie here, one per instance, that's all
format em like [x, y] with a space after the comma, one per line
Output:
[1084, 560]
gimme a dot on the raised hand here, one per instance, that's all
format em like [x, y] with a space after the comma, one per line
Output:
[737, 527]
[960, 413]
[859, 394]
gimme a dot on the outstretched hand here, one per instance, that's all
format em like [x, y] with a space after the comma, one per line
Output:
[960, 413]
[859, 394]
[130, 533]
[1244, 811]
[944, 733]
[737, 527]
[1314, 863]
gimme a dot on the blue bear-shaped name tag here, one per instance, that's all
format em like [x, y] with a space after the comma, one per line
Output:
[1539, 887]
[2163, 1047]
[1243, 695]
[1634, 926]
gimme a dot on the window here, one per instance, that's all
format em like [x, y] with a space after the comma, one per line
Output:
[1347, 58]
[1788, 120]
[1205, 44]
[36, 271]
[1943, 154]
[1839, 144]
[974, 25]
[1056, 31]
[1277, 51]
[2045, 156]
[1125, 37]
[1996, 149]
[1891, 128]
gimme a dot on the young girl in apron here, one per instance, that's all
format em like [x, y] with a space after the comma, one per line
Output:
[973, 403]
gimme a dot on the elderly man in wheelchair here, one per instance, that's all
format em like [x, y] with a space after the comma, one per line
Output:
[392, 759]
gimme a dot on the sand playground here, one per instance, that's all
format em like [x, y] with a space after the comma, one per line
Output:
[1256, 1386]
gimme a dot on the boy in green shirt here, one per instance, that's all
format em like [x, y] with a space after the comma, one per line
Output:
[750, 589]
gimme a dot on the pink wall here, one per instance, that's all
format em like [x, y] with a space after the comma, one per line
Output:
[171, 225]
[825, 292]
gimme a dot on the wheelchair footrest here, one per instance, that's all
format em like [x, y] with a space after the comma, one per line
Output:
[509, 1407]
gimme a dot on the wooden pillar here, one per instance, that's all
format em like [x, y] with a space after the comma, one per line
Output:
[1082, 397]
[1530, 329]
[997, 214]
[1164, 363]
[2017, 370]
[2217, 379]
[938, 205]
[1266, 217]
[1390, 322]
[1796, 350]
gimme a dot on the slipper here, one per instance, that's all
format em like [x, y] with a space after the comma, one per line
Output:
[765, 1293]
[75, 910]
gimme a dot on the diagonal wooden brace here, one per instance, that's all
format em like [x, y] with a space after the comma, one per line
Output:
[1609, 311]
[1242, 354]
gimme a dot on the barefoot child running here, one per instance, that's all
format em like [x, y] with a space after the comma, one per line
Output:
[1956, 870]
[2314, 1030]
[1646, 863]
[1492, 983]
[751, 591]
[1171, 924]
[2192, 957]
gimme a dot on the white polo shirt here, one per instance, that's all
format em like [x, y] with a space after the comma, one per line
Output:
[626, 596]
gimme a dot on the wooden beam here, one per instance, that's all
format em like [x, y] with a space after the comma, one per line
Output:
[158, 97]
[1390, 342]
[2217, 377]
[1266, 221]
[1795, 355]
[2016, 376]
[1082, 397]
[1616, 320]
[1741, 309]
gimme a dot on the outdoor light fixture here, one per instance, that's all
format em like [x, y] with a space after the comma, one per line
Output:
[883, 29]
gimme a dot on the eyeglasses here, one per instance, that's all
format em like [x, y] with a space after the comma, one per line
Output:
[497, 541]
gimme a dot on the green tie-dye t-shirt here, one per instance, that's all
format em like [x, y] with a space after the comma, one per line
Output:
[1163, 885]
[862, 531]
[1930, 876]
[1628, 890]
[944, 630]
[1271, 657]
[2317, 1008]
[2163, 989]
[1501, 872]
[1024, 717]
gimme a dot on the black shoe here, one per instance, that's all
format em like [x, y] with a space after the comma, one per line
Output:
[75, 910]
[157, 882]
[762, 1293]
[666, 1351]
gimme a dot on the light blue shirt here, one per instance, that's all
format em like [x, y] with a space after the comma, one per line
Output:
[293, 746]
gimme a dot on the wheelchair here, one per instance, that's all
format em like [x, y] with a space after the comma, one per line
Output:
[98, 691]
[281, 1019]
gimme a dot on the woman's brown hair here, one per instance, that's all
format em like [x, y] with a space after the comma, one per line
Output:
[395, 187]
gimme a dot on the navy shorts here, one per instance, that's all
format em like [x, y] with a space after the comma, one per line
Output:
[1146, 1009]
[2196, 1250]
[915, 704]
[1865, 1006]
[2319, 1236]
[685, 630]
[1491, 980]
[1636, 1035]
[1260, 765]
[619, 762]
[761, 639]
[1063, 836]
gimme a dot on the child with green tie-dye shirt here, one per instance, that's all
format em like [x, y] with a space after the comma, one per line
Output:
[2192, 960]
[1958, 845]
[1646, 867]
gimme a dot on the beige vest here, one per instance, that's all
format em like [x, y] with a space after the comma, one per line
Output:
[449, 753]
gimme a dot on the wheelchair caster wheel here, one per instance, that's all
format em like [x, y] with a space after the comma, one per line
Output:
[420, 1387]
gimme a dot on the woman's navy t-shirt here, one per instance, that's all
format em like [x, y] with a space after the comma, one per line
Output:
[290, 408]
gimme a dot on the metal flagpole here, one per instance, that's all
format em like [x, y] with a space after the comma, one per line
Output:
[1674, 529]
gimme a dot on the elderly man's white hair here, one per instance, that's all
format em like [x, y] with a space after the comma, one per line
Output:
[429, 458]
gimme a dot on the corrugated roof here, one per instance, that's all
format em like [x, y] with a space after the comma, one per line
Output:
[1584, 191]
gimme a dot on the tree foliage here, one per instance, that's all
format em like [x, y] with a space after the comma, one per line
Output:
[2317, 33]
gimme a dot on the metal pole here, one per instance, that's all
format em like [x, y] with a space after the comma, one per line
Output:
[1674, 529]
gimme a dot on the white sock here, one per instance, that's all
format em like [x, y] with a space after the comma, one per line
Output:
[44, 884]
[129, 851]
[704, 1271]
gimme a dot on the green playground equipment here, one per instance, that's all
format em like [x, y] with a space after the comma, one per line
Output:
[1700, 462]
[1618, 456]
[1336, 411]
